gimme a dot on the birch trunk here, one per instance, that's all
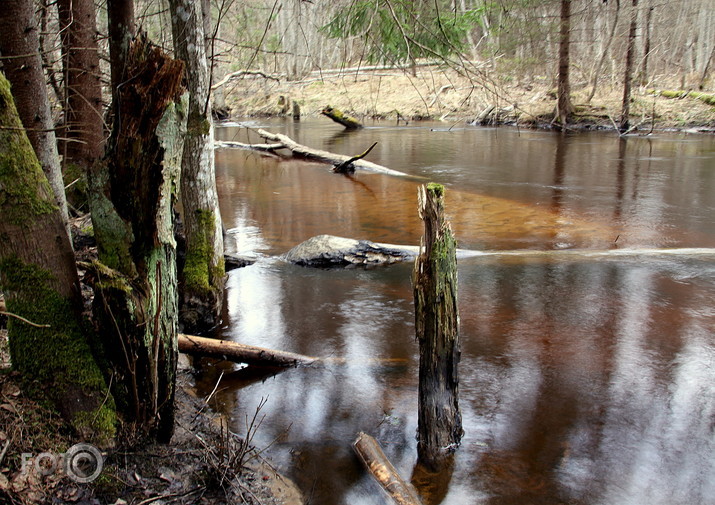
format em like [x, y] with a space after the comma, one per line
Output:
[203, 274]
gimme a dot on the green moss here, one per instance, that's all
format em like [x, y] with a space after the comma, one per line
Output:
[198, 271]
[57, 359]
[24, 189]
[437, 189]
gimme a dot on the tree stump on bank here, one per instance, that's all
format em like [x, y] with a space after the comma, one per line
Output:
[349, 122]
[131, 202]
[439, 428]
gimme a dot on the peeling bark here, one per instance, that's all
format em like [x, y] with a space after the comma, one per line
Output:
[132, 196]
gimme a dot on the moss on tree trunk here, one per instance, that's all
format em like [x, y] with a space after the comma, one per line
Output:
[136, 287]
[39, 279]
[439, 425]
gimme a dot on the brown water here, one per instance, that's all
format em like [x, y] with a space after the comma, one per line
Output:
[585, 378]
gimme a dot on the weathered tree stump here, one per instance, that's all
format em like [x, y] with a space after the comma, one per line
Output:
[349, 122]
[439, 428]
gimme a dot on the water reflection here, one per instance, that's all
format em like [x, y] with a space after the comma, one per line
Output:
[586, 379]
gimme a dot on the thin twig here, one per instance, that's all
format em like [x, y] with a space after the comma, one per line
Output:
[5, 313]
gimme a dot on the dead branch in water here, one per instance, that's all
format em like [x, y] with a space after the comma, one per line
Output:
[374, 459]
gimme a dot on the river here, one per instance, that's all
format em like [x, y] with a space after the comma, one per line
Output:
[587, 376]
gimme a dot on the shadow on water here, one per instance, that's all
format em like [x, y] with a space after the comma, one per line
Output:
[586, 376]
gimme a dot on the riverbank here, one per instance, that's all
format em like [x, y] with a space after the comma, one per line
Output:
[204, 463]
[437, 93]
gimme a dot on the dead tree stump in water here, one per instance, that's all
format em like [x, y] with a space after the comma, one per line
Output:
[439, 428]
[349, 122]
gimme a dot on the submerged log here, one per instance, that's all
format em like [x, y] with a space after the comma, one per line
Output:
[349, 122]
[347, 167]
[439, 424]
[374, 459]
[285, 142]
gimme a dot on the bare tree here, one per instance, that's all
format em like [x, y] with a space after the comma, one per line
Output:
[83, 88]
[564, 108]
[624, 123]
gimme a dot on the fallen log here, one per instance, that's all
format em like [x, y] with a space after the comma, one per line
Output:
[242, 353]
[260, 356]
[347, 166]
[320, 155]
[349, 122]
[374, 459]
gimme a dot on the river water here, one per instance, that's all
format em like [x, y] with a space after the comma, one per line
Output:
[587, 376]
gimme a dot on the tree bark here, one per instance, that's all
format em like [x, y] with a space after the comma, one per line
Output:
[241, 353]
[39, 279]
[439, 426]
[604, 53]
[121, 29]
[22, 64]
[203, 275]
[564, 108]
[374, 459]
[131, 203]
[83, 87]
[624, 123]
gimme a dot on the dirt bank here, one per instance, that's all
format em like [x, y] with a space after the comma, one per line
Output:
[437, 93]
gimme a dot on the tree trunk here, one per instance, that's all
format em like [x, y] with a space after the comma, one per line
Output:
[120, 15]
[203, 275]
[349, 122]
[131, 203]
[564, 108]
[83, 87]
[439, 426]
[20, 46]
[624, 123]
[604, 53]
[646, 45]
[39, 279]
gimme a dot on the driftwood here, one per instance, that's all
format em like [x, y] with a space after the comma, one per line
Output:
[242, 353]
[349, 122]
[285, 142]
[374, 459]
[260, 356]
[347, 167]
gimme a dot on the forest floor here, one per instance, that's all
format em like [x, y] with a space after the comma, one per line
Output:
[205, 463]
[438, 93]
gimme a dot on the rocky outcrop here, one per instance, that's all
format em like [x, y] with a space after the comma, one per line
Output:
[331, 251]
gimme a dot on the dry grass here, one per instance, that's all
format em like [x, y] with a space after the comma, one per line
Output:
[443, 94]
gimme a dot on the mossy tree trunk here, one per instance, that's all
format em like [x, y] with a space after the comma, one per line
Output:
[39, 279]
[22, 64]
[131, 201]
[439, 425]
[203, 274]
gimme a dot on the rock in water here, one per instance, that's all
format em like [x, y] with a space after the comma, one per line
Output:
[331, 251]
